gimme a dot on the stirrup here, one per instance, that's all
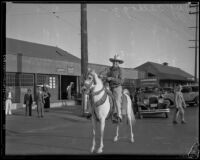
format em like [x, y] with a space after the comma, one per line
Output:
[89, 116]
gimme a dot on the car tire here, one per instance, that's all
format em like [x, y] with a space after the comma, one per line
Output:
[197, 101]
[170, 101]
[166, 115]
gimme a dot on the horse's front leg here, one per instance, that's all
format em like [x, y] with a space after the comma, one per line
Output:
[117, 133]
[102, 126]
[93, 134]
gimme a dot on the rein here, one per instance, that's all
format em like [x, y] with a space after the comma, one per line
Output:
[99, 102]
[98, 92]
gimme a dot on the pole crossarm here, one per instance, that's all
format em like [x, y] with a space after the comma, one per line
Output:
[193, 12]
[192, 27]
[191, 6]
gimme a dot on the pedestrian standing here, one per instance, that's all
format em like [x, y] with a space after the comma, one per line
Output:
[180, 105]
[28, 102]
[69, 90]
[40, 102]
[9, 97]
[135, 100]
[47, 96]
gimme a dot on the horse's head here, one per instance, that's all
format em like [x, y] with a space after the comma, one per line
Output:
[90, 81]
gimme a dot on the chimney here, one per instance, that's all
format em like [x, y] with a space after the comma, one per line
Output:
[165, 64]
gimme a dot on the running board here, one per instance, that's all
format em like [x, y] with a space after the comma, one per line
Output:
[156, 111]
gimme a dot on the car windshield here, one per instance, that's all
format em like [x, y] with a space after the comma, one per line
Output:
[186, 89]
[195, 88]
[151, 90]
[167, 90]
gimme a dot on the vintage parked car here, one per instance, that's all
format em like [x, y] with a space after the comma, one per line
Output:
[150, 101]
[191, 94]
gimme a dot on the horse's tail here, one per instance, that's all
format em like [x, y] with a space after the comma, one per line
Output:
[132, 116]
[130, 109]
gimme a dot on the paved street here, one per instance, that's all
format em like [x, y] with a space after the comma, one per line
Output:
[64, 131]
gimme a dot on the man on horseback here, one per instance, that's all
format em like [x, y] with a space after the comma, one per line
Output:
[114, 78]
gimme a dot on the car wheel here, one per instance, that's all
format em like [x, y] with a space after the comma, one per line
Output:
[166, 115]
[197, 101]
[169, 101]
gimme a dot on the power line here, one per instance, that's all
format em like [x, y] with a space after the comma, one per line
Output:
[58, 17]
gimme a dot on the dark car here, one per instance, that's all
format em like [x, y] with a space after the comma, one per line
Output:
[150, 101]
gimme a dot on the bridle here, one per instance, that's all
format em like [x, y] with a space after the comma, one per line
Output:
[88, 88]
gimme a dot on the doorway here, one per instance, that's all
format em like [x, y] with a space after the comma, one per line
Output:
[65, 81]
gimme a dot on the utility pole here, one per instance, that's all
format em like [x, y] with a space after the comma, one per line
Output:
[84, 51]
[195, 5]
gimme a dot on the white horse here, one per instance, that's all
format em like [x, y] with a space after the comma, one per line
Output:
[101, 107]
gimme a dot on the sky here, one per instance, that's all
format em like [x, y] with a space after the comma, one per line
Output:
[137, 32]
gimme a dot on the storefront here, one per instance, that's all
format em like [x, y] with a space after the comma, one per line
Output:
[31, 64]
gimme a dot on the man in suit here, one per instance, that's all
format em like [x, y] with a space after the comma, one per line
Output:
[9, 97]
[28, 102]
[40, 102]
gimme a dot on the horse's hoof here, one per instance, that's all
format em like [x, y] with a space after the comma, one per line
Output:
[115, 139]
[132, 140]
[92, 150]
[99, 150]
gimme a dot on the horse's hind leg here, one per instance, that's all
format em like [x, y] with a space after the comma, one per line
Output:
[131, 127]
[102, 126]
[117, 133]
[93, 134]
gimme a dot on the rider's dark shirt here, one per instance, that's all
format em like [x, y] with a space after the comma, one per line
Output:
[115, 72]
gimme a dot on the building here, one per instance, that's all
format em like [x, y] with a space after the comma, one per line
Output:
[30, 64]
[163, 75]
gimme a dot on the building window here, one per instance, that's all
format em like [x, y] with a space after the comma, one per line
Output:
[10, 79]
[41, 79]
[27, 80]
[52, 82]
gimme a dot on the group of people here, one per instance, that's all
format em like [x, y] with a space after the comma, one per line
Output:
[42, 101]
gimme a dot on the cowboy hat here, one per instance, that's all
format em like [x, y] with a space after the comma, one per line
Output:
[116, 59]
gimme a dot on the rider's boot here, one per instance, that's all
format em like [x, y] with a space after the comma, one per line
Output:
[119, 117]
